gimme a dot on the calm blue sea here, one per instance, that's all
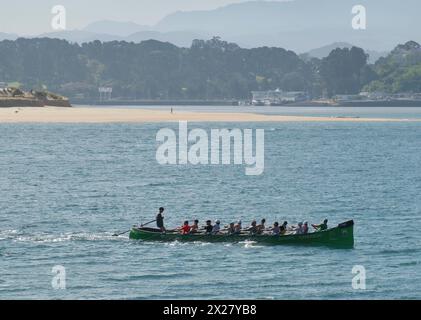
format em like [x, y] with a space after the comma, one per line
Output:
[65, 189]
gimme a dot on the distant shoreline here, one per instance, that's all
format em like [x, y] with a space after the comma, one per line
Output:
[98, 115]
[14, 97]
[237, 103]
[25, 103]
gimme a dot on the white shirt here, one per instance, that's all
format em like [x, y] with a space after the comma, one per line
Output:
[216, 228]
[299, 230]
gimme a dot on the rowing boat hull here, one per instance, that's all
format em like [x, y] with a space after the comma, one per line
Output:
[340, 236]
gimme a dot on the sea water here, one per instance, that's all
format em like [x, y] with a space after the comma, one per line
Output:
[65, 189]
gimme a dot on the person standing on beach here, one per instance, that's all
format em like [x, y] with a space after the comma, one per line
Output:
[160, 220]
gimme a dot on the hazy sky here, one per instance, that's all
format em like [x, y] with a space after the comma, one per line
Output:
[34, 16]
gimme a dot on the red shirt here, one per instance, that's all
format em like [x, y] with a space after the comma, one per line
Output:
[186, 229]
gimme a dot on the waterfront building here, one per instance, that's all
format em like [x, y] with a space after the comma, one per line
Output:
[277, 97]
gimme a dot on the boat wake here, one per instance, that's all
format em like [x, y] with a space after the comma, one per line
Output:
[20, 236]
[8, 234]
[250, 244]
[179, 243]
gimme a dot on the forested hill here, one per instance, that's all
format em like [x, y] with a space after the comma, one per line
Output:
[212, 69]
[400, 71]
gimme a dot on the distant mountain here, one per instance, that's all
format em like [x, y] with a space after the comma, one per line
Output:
[302, 25]
[79, 36]
[324, 51]
[115, 28]
[8, 36]
[178, 38]
[298, 25]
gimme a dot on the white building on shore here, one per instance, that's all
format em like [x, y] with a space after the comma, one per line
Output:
[277, 97]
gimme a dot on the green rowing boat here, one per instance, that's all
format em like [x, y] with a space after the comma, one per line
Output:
[341, 236]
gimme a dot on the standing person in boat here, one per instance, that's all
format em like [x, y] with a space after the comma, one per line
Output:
[209, 227]
[261, 227]
[276, 230]
[160, 220]
[195, 227]
[322, 226]
[216, 227]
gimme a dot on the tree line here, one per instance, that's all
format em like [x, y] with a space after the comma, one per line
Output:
[209, 69]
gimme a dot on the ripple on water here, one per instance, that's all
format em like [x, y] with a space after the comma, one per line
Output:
[66, 189]
[66, 237]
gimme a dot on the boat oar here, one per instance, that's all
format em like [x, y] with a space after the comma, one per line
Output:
[119, 234]
[142, 225]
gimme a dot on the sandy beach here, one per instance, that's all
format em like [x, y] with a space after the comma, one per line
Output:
[99, 115]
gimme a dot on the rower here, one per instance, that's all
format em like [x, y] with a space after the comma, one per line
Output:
[253, 228]
[185, 228]
[305, 227]
[283, 228]
[322, 226]
[209, 227]
[276, 230]
[237, 227]
[216, 227]
[261, 227]
[195, 227]
[299, 229]
[160, 220]
[231, 228]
